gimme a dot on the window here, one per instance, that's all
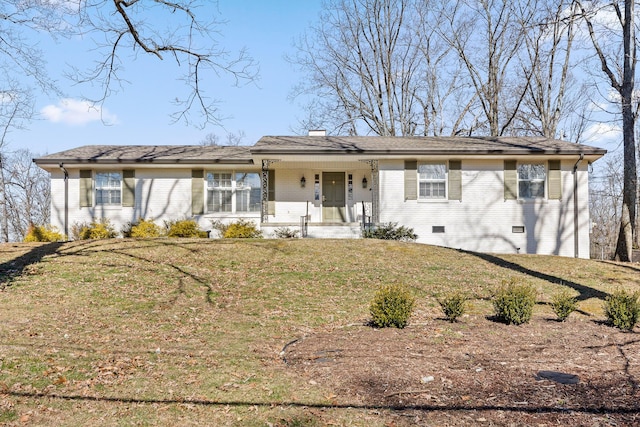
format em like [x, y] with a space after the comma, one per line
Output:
[432, 181]
[531, 180]
[108, 188]
[233, 192]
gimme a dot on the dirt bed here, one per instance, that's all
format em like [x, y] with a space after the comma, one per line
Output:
[479, 372]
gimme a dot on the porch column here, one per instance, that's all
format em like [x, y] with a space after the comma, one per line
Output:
[375, 191]
[265, 190]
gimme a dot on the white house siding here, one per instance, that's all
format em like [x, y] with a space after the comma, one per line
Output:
[482, 221]
[161, 194]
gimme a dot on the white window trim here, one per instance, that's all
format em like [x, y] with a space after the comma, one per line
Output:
[445, 198]
[546, 182]
[95, 188]
[234, 211]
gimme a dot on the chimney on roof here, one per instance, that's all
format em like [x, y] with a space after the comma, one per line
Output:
[317, 132]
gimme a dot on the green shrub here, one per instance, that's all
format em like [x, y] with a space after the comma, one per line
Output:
[513, 302]
[622, 309]
[240, 229]
[97, 229]
[286, 233]
[452, 305]
[144, 229]
[563, 304]
[44, 233]
[392, 305]
[184, 228]
[390, 231]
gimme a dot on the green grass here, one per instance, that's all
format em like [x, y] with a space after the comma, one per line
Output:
[166, 330]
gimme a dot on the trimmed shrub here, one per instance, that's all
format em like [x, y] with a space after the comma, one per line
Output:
[145, 229]
[513, 302]
[390, 231]
[563, 304]
[622, 309]
[240, 229]
[286, 233]
[391, 306]
[184, 228]
[453, 305]
[44, 233]
[97, 229]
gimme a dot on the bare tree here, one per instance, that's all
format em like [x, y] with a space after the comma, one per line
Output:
[487, 35]
[232, 139]
[605, 207]
[26, 195]
[121, 30]
[365, 63]
[617, 58]
[549, 48]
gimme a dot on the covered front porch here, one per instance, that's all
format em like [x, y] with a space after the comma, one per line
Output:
[319, 199]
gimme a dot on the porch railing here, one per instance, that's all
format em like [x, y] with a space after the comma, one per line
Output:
[304, 223]
[366, 219]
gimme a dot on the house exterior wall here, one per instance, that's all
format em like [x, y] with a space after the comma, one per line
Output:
[483, 220]
[161, 194]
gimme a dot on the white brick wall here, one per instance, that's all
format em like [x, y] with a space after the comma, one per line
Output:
[483, 220]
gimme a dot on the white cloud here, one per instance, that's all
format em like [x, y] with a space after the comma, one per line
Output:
[76, 112]
[603, 134]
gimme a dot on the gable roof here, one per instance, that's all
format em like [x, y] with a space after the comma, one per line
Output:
[419, 145]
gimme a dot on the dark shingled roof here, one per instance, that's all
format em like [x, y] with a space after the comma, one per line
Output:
[161, 154]
[316, 145]
[418, 145]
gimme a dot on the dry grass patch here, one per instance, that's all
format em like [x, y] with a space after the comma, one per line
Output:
[190, 331]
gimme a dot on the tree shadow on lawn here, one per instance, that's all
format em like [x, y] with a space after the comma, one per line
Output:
[585, 292]
[15, 267]
[532, 409]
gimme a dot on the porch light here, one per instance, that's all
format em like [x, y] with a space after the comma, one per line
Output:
[364, 182]
[303, 181]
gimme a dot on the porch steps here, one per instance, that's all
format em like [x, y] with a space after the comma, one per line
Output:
[319, 231]
[334, 231]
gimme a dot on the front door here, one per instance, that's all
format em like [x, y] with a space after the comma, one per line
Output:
[333, 197]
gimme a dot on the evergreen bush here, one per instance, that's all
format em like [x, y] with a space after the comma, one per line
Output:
[453, 305]
[390, 231]
[622, 309]
[563, 304]
[286, 233]
[391, 306]
[514, 302]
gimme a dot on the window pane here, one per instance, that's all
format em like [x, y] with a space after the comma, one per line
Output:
[247, 192]
[531, 180]
[108, 188]
[437, 171]
[432, 181]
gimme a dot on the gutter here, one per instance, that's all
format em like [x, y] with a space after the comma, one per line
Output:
[576, 251]
[66, 200]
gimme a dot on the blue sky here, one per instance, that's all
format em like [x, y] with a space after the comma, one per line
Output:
[140, 112]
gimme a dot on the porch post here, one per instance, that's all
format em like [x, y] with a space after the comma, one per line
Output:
[265, 191]
[375, 191]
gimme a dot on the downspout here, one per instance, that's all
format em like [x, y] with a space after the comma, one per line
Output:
[575, 207]
[66, 200]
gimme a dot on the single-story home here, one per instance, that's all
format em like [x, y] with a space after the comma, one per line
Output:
[489, 194]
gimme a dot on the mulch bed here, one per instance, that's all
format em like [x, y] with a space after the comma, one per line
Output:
[477, 371]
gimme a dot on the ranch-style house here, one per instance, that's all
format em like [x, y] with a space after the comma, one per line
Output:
[488, 194]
